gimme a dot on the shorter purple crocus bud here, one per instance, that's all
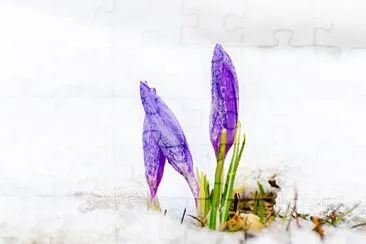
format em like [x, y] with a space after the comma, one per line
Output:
[225, 99]
[163, 138]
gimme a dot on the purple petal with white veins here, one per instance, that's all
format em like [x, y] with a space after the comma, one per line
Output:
[169, 137]
[225, 98]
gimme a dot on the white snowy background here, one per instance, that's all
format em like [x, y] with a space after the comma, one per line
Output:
[71, 117]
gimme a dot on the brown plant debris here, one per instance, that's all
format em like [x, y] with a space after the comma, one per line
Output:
[318, 226]
[272, 182]
[249, 204]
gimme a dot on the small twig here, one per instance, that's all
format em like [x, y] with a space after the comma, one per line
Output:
[245, 236]
[184, 214]
[165, 211]
[292, 213]
[244, 240]
[194, 217]
[236, 201]
[245, 232]
[198, 220]
[358, 225]
[289, 223]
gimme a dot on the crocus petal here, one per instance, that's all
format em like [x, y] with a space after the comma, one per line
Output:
[153, 157]
[169, 137]
[225, 98]
[175, 146]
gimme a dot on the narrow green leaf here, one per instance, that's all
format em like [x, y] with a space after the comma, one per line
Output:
[208, 197]
[234, 156]
[217, 189]
[261, 189]
[230, 178]
[201, 195]
[260, 202]
[255, 206]
[261, 211]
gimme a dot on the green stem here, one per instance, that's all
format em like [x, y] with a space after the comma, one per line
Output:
[227, 200]
[261, 203]
[208, 197]
[235, 152]
[214, 220]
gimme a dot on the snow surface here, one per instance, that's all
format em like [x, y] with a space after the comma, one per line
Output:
[71, 122]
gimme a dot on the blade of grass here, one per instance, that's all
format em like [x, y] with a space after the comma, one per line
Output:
[255, 206]
[201, 194]
[235, 153]
[204, 195]
[208, 198]
[227, 199]
[260, 203]
[217, 189]
[343, 216]
[260, 187]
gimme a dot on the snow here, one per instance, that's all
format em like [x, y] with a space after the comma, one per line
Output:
[71, 122]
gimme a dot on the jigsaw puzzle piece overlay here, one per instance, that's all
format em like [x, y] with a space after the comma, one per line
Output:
[264, 24]
[348, 29]
[210, 15]
[157, 22]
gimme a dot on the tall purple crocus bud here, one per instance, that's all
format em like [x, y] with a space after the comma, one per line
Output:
[163, 138]
[225, 99]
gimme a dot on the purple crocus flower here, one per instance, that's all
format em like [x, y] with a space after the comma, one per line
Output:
[225, 99]
[163, 139]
